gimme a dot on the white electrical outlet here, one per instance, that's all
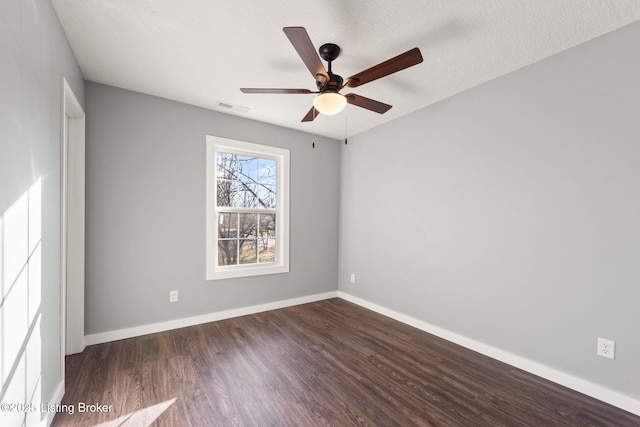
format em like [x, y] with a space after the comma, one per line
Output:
[173, 296]
[606, 348]
[353, 278]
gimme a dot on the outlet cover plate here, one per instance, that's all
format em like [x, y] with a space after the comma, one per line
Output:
[606, 348]
[173, 296]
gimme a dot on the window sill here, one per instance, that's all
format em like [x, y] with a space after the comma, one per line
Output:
[246, 271]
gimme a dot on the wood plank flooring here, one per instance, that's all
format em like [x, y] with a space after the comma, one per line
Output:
[329, 363]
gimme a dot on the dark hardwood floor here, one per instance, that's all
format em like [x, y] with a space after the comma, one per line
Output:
[329, 363]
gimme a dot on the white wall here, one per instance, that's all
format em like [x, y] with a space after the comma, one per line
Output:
[510, 213]
[34, 58]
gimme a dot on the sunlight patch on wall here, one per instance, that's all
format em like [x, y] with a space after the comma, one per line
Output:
[20, 289]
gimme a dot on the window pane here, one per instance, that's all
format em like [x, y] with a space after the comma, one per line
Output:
[243, 195]
[267, 196]
[225, 191]
[221, 160]
[248, 196]
[248, 253]
[266, 250]
[227, 165]
[248, 225]
[227, 252]
[266, 171]
[248, 169]
[267, 225]
[227, 225]
[245, 181]
[237, 194]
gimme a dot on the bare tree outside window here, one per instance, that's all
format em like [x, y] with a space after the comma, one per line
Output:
[246, 203]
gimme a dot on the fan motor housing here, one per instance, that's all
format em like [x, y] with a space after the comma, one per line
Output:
[334, 84]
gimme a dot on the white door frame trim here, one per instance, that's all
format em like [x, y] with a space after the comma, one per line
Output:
[72, 200]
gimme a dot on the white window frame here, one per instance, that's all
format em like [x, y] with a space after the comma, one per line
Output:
[281, 156]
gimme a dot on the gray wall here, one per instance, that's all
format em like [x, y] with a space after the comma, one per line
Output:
[146, 211]
[510, 213]
[34, 57]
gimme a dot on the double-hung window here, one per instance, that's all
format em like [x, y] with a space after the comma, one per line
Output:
[247, 209]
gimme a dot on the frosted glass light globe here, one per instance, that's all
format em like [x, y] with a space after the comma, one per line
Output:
[329, 103]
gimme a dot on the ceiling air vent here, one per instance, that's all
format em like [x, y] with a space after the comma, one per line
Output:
[229, 106]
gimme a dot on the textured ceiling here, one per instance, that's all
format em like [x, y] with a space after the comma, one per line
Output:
[202, 51]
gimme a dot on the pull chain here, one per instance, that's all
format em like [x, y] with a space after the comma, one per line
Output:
[313, 144]
[346, 115]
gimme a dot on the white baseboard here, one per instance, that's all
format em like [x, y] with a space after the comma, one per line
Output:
[57, 396]
[578, 384]
[137, 331]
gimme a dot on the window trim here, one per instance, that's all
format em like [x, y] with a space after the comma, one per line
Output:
[281, 156]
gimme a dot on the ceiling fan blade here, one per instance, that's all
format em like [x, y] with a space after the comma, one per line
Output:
[311, 115]
[369, 104]
[390, 66]
[302, 43]
[265, 90]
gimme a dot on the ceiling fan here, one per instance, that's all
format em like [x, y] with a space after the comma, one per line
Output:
[330, 100]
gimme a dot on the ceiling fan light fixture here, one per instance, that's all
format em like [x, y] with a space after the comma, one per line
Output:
[329, 103]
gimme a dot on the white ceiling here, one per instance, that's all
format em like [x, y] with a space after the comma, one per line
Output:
[201, 52]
